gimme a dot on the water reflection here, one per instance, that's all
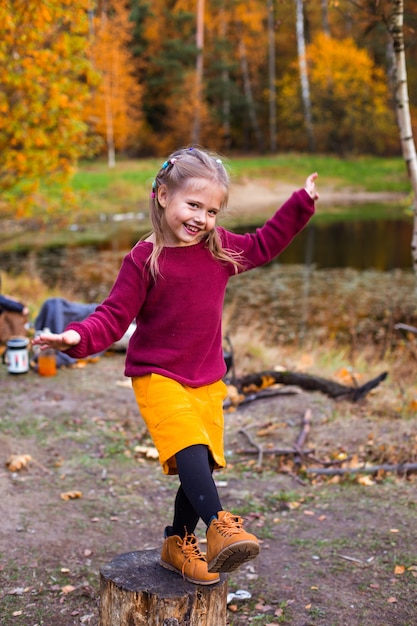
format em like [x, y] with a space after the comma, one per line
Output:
[381, 245]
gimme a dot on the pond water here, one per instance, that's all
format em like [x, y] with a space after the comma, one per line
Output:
[383, 245]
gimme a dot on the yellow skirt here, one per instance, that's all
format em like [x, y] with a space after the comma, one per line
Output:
[178, 416]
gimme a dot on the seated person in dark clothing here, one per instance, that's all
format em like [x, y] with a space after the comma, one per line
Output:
[13, 317]
[10, 304]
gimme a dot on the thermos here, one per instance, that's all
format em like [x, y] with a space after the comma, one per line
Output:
[16, 355]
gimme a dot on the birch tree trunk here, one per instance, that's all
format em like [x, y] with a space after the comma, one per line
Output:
[248, 92]
[302, 63]
[402, 104]
[226, 107]
[272, 79]
[325, 17]
[196, 131]
[108, 95]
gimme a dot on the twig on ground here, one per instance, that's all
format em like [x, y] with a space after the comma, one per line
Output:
[255, 445]
[305, 429]
[352, 559]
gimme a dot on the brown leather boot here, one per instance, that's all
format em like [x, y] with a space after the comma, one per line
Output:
[184, 557]
[228, 544]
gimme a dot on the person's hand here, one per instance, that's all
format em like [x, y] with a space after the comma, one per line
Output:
[60, 342]
[310, 186]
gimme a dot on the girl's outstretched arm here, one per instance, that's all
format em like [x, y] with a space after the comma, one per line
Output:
[310, 186]
[62, 341]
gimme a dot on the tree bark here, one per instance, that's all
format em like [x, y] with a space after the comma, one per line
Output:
[272, 78]
[402, 104]
[196, 131]
[108, 97]
[136, 591]
[248, 91]
[400, 468]
[302, 63]
[307, 382]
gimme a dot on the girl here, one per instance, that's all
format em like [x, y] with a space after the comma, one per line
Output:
[173, 284]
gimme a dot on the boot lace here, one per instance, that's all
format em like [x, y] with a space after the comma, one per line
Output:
[190, 550]
[229, 524]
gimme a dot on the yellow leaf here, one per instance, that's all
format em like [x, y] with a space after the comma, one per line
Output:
[412, 405]
[366, 481]
[267, 381]
[148, 451]
[67, 589]
[71, 495]
[16, 462]
[399, 569]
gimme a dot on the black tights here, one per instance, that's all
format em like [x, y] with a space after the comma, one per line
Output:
[197, 494]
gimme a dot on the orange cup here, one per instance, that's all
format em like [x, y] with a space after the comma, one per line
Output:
[47, 364]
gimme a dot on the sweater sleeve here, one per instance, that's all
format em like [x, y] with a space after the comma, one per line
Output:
[275, 235]
[112, 317]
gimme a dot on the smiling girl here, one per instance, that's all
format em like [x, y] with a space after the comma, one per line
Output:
[173, 285]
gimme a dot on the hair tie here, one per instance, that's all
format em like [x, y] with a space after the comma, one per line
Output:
[168, 163]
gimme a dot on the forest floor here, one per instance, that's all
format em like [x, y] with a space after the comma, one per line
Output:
[335, 550]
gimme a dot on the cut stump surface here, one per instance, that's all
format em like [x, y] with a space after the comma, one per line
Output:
[136, 591]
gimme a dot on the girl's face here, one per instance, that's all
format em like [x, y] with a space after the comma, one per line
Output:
[190, 213]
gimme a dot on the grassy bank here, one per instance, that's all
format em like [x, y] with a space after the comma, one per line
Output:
[127, 186]
[112, 203]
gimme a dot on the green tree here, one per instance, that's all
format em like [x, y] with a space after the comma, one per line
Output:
[45, 76]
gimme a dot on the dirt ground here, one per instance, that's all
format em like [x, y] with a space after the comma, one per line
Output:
[334, 552]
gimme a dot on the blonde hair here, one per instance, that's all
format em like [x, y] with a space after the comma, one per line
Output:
[178, 169]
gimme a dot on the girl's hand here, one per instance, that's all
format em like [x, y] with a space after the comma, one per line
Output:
[60, 342]
[310, 186]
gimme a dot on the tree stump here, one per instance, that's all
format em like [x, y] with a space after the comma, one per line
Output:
[136, 591]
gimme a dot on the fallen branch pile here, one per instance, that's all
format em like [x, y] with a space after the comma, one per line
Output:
[302, 457]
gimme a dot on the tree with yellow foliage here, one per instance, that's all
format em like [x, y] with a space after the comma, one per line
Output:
[44, 83]
[350, 100]
[115, 110]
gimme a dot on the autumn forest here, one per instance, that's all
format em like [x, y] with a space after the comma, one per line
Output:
[86, 78]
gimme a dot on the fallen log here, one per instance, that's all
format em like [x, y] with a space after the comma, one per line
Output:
[136, 591]
[306, 382]
[400, 468]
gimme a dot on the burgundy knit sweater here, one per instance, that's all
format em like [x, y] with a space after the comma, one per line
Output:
[179, 316]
